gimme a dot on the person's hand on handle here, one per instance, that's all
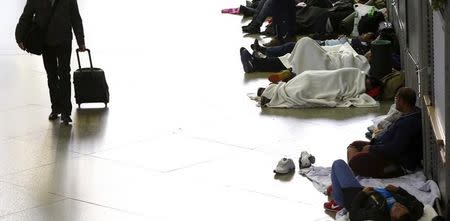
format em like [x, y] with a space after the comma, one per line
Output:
[82, 48]
[21, 46]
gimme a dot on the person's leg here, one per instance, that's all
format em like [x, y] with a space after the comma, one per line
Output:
[283, 16]
[264, 10]
[278, 51]
[63, 56]
[342, 177]
[355, 148]
[373, 165]
[269, 64]
[50, 64]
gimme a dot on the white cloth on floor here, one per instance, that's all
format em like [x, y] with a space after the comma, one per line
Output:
[426, 191]
[325, 88]
[309, 55]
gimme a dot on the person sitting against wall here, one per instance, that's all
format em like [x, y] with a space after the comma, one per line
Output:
[262, 12]
[399, 150]
[369, 203]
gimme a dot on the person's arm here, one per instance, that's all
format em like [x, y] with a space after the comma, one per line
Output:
[77, 24]
[397, 145]
[357, 210]
[415, 207]
[24, 22]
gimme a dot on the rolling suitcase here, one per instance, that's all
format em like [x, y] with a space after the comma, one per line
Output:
[90, 84]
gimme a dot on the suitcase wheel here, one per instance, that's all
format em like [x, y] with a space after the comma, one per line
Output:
[106, 105]
[79, 105]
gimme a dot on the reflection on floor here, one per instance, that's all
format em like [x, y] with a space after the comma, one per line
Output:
[180, 139]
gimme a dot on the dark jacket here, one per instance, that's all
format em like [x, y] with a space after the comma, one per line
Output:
[402, 142]
[66, 17]
[373, 206]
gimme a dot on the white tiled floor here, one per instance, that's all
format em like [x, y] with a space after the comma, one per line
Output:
[180, 140]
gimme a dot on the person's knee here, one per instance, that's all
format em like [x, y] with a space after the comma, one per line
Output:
[338, 163]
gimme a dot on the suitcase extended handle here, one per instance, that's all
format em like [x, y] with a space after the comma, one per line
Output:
[78, 57]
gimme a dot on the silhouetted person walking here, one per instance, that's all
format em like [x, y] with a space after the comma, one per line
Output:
[58, 46]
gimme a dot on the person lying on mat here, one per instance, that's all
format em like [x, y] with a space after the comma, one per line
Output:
[399, 150]
[369, 203]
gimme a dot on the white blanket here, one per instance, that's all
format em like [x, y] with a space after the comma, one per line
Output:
[309, 55]
[426, 191]
[337, 88]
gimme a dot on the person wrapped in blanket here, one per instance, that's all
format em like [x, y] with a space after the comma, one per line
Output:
[396, 152]
[342, 87]
[369, 203]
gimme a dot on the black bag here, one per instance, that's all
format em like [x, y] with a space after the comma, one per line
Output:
[34, 39]
[90, 84]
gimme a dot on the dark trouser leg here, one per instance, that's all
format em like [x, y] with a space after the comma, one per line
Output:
[283, 15]
[51, 67]
[281, 50]
[269, 64]
[263, 11]
[342, 177]
[57, 64]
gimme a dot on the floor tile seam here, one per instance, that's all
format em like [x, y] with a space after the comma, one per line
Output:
[114, 147]
[104, 206]
[31, 189]
[223, 143]
[2, 176]
[34, 207]
[267, 195]
[128, 165]
[22, 106]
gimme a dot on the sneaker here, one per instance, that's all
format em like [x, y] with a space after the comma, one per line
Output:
[306, 160]
[281, 76]
[284, 166]
[251, 28]
[247, 60]
[332, 206]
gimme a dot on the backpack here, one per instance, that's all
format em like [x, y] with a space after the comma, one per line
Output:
[391, 83]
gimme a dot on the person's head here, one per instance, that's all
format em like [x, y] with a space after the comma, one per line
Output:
[399, 212]
[405, 100]
[370, 23]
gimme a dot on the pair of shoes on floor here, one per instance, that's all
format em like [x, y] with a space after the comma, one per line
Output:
[284, 166]
[284, 75]
[332, 206]
[246, 60]
[306, 160]
[64, 117]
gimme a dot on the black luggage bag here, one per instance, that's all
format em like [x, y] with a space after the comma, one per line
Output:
[90, 84]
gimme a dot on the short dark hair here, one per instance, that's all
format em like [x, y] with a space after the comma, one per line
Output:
[370, 23]
[408, 95]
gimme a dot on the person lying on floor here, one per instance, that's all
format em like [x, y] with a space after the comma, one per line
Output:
[368, 203]
[307, 54]
[323, 88]
[399, 150]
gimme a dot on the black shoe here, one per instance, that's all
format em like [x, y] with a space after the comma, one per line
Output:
[260, 91]
[53, 115]
[247, 60]
[264, 101]
[66, 119]
[245, 11]
[269, 31]
[251, 28]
